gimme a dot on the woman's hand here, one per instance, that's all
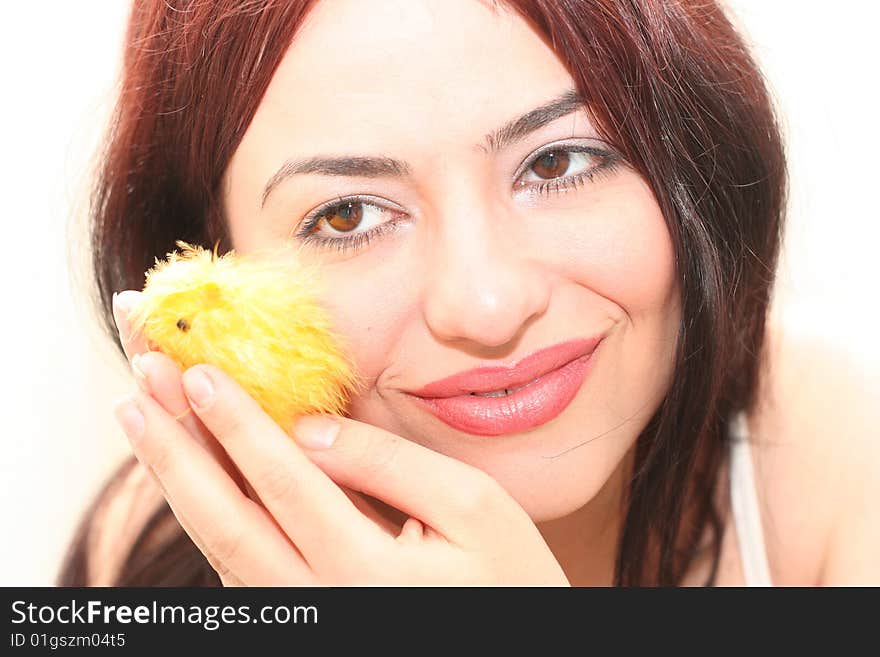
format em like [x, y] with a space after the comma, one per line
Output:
[268, 510]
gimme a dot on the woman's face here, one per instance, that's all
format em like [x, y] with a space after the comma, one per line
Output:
[477, 265]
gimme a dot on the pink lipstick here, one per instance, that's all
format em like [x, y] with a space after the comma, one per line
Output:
[497, 400]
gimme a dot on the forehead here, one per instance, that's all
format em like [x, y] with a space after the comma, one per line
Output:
[369, 76]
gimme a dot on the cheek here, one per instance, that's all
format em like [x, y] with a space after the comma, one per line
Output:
[623, 255]
[371, 322]
[619, 247]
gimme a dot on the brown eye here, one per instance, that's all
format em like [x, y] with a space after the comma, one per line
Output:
[551, 164]
[345, 216]
[183, 325]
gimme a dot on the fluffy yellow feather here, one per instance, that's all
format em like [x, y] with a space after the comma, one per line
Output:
[256, 317]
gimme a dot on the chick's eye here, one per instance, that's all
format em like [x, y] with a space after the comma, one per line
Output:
[183, 325]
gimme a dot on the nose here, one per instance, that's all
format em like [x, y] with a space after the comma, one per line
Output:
[484, 284]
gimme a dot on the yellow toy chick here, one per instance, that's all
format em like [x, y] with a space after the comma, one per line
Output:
[255, 317]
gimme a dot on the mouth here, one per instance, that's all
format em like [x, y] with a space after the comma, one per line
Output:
[474, 403]
[499, 393]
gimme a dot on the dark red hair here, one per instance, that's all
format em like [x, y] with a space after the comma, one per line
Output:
[670, 84]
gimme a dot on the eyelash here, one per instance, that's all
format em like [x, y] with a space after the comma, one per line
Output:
[608, 164]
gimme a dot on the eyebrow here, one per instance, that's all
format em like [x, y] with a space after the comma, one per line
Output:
[386, 167]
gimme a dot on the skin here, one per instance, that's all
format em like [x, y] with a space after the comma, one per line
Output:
[483, 272]
[492, 272]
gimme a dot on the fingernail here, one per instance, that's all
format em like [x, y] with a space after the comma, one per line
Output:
[315, 431]
[117, 311]
[130, 418]
[198, 388]
[123, 302]
[126, 300]
[139, 376]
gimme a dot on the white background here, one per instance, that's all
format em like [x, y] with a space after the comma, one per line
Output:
[59, 61]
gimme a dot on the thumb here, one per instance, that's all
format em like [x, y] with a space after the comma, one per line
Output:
[445, 494]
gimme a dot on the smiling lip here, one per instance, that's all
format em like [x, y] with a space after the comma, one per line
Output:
[547, 380]
[487, 379]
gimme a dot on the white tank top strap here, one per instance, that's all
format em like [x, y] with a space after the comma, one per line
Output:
[744, 503]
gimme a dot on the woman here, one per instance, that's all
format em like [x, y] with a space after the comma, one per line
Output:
[585, 194]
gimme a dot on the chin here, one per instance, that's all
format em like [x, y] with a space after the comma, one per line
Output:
[541, 511]
[550, 501]
[592, 475]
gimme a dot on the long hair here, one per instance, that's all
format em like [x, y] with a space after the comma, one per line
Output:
[670, 85]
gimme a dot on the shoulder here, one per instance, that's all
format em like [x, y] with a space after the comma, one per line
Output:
[119, 517]
[817, 460]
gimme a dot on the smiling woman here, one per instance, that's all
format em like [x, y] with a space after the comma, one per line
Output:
[548, 231]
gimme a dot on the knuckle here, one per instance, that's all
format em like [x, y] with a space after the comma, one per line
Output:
[222, 551]
[220, 568]
[226, 426]
[277, 483]
[378, 458]
[160, 460]
[230, 582]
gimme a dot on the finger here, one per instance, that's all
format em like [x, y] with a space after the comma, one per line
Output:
[450, 496]
[234, 530]
[227, 577]
[320, 519]
[132, 342]
[159, 375]
[388, 519]
[412, 531]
